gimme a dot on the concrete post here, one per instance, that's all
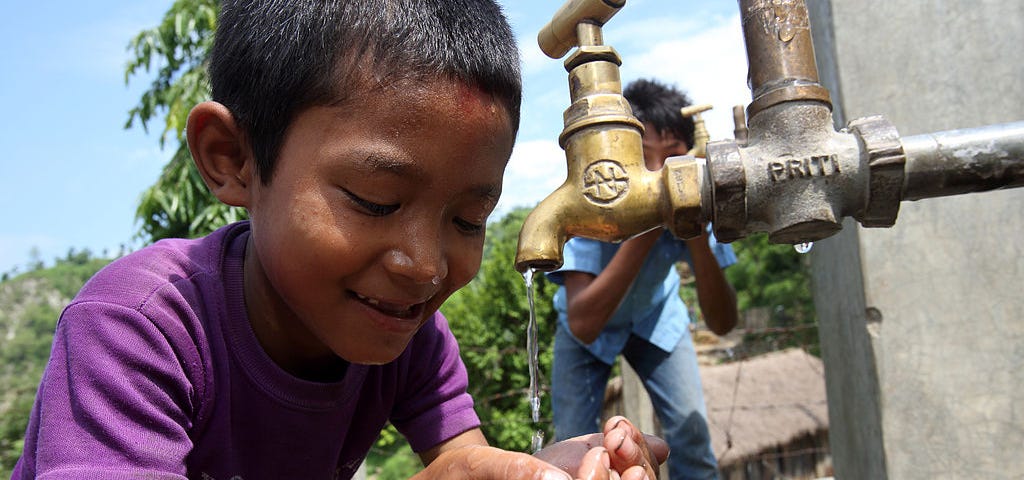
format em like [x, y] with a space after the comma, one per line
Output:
[922, 325]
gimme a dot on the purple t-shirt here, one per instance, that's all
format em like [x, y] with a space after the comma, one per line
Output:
[156, 373]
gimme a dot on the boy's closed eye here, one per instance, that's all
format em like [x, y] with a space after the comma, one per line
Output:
[374, 209]
[370, 208]
[468, 227]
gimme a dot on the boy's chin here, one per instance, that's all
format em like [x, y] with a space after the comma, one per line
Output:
[379, 357]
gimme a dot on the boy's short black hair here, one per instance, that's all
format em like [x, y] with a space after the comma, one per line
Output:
[272, 59]
[659, 104]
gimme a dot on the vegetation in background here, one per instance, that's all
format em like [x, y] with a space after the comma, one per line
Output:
[489, 316]
[776, 278]
[178, 204]
[30, 304]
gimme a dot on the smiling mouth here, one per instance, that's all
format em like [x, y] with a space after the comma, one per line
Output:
[404, 311]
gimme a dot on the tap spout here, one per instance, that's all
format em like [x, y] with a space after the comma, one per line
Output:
[608, 194]
[544, 233]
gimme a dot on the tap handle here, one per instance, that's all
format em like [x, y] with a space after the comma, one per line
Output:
[695, 110]
[559, 35]
[739, 121]
[700, 132]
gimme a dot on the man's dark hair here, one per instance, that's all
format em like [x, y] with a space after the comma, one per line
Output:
[272, 59]
[659, 104]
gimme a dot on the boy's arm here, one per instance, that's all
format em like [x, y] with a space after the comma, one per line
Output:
[592, 300]
[110, 404]
[465, 439]
[716, 296]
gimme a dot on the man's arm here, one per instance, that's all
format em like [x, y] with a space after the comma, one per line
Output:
[716, 296]
[592, 300]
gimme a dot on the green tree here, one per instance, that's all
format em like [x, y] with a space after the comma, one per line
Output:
[489, 317]
[776, 277]
[178, 204]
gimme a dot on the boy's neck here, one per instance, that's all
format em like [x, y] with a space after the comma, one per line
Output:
[302, 356]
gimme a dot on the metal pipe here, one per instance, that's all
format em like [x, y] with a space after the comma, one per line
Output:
[964, 161]
[788, 172]
[780, 54]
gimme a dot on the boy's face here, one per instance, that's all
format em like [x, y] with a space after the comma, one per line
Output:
[374, 216]
[660, 145]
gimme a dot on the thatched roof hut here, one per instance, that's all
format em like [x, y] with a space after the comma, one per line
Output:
[769, 413]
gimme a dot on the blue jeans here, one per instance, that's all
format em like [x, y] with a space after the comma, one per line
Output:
[578, 381]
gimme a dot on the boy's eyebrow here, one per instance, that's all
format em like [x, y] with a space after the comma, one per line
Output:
[383, 163]
[488, 192]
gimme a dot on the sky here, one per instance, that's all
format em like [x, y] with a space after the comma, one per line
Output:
[72, 175]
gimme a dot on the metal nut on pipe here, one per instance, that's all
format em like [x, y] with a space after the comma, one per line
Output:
[728, 190]
[882, 151]
[684, 186]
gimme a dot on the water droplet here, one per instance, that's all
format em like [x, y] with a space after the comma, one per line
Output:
[538, 441]
[803, 247]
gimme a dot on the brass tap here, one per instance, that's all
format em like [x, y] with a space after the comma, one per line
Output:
[609, 194]
[788, 172]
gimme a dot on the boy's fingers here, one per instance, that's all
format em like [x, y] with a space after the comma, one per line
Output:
[595, 465]
[488, 463]
[629, 448]
[636, 473]
[655, 445]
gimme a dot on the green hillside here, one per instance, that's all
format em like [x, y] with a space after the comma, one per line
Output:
[29, 306]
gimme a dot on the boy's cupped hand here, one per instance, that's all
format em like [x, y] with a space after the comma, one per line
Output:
[622, 452]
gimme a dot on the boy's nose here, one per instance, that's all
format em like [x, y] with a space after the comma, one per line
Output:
[418, 259]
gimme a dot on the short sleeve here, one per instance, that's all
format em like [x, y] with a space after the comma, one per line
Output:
[579, 255]
[110, 404]
[723, 251]
[433, 404]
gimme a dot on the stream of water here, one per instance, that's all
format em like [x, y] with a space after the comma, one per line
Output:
[532, 350]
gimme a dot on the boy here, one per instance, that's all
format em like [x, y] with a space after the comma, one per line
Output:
[367, 140]
[624, 299]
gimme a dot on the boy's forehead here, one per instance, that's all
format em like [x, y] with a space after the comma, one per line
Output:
[448, 97]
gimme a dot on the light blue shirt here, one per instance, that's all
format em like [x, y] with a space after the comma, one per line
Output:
[652, 308]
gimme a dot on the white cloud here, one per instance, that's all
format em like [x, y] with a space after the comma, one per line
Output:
[536, 169]
[711, 66]
[534, 60]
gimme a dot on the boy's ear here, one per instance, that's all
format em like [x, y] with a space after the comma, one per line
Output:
[221, 152]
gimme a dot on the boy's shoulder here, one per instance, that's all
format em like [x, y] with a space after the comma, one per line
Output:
[133, 279]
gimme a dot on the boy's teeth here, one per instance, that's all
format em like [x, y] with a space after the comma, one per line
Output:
[376, 303]
[371, 301]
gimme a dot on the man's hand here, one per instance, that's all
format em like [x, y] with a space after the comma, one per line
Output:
[715, 295]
